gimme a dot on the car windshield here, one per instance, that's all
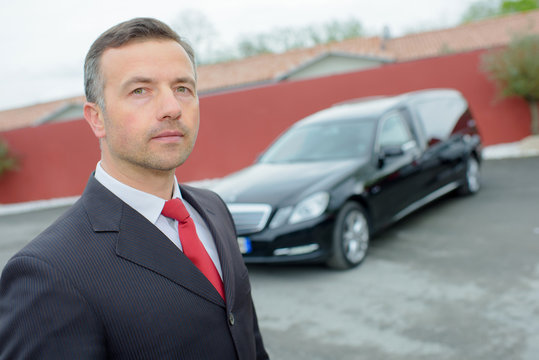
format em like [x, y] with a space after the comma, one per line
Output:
[321, 142]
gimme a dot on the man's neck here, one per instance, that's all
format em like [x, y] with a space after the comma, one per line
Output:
[155, 182]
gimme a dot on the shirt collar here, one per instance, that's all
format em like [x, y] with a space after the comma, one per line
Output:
[148, 205]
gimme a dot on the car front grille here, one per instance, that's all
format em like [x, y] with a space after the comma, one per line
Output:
[249, 218]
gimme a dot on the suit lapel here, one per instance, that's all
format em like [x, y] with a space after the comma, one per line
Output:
[141, 242]
[213, 221]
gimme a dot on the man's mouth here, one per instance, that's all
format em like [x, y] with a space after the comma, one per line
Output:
[169, 136]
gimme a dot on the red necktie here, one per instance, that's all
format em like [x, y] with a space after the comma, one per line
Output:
[191, 244]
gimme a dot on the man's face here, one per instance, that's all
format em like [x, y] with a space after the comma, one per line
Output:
[152, 113]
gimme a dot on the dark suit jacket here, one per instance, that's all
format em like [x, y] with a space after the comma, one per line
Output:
[102, 282]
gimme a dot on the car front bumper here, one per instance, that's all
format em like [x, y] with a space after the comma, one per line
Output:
[309, 241]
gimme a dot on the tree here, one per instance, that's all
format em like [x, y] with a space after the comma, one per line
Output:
[489, 8]
[199, 32]
[289, 38]
[254, 45]
[7, 161]
[509, 7]
[515, 70]
[481, 10]
[336, 30]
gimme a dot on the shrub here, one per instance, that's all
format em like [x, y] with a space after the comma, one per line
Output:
[7, 161]
[515, 70]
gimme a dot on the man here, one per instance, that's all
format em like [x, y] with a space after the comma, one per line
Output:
[112, 278]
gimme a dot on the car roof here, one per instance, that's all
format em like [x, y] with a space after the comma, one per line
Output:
[373, 106]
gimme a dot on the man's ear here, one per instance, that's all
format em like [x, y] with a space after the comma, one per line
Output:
[94, 117]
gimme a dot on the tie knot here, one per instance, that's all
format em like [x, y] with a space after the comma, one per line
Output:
[175, 209]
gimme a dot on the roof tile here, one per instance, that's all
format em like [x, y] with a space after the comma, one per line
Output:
[268, 67]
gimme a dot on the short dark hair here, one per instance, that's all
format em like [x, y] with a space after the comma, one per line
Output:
[138, 29]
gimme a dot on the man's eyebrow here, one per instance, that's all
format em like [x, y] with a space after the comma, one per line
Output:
[146, 80]
[136, 80]
[185, 80]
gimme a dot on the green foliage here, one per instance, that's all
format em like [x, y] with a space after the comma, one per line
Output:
[256, 44]
[338, 31]
[489, 8]
[515, 70]
[508, 7]
[289, 38]
[202, 35]
[481, 10]
[7, 162]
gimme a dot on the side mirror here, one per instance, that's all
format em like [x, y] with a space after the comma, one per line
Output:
[388, 151]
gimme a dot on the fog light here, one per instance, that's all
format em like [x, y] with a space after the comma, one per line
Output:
[296, 250]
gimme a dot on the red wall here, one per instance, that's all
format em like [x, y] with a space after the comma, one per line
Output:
[56, 159]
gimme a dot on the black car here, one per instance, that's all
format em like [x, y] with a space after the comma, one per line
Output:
[338, 176]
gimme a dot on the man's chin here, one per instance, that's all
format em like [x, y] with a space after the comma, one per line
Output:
[167, 166]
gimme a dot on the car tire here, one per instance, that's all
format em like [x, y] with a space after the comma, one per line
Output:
[471, 183]
[351, 236]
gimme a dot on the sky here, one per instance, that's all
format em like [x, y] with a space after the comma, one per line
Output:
[44, 42]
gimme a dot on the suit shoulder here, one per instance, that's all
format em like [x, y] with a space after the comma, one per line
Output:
[202, 194]
[198, 191]
[207, 199]
[59, 236]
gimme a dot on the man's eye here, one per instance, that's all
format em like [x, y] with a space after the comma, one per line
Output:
[182, 89]
[139, 91]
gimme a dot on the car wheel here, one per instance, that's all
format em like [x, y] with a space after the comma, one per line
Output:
[472, 179]
[351, 237]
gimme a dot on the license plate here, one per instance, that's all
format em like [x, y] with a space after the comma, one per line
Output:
[245, 245]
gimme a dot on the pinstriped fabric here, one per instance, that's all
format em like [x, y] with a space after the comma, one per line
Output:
[102, 282]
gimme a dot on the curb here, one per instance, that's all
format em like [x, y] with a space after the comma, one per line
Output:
[528, 147]
[26, 207]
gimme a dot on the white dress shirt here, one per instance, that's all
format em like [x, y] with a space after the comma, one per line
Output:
[150, 206]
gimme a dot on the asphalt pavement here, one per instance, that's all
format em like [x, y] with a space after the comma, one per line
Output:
[458, 279]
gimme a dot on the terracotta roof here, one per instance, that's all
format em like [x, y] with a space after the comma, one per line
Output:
[31, 115]
[477, 35]
[269, 67]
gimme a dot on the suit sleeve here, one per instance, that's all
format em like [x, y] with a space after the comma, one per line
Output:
[42, 316]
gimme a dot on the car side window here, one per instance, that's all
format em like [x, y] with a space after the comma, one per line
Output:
[394, 131]
[439, 117]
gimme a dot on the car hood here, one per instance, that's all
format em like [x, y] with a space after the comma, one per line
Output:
[281, 183]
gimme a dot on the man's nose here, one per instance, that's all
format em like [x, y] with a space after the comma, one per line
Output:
[169, 106]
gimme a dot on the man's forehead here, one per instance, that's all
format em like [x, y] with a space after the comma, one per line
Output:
[144, 53]
[133, 45]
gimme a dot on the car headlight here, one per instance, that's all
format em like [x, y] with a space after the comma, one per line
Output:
[309, 208]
